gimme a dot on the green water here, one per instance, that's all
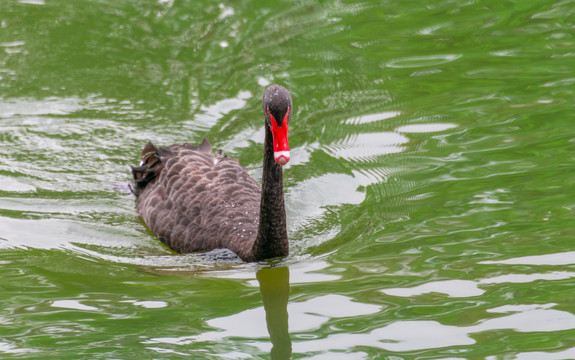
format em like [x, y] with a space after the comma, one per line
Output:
[430, 197]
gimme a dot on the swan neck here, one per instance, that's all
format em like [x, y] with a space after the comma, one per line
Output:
[271, 241]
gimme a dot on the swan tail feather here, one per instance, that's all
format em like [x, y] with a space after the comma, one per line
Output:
[151, 164]
[149, 168]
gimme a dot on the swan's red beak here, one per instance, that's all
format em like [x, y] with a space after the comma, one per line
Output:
[280, 135]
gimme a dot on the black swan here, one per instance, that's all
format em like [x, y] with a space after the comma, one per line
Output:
[195, 200]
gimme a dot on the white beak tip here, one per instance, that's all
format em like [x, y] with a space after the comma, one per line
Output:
[281, 157]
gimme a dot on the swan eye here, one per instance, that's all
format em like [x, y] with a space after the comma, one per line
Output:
[268, 110]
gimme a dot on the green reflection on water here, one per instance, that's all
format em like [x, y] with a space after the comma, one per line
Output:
[429, 193]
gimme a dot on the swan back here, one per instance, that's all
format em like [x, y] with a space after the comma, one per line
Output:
[195, 200]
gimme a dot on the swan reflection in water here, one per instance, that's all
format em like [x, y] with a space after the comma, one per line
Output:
[249, 324]
[274, 287]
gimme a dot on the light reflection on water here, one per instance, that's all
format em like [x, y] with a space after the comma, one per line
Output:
[418, 335]
[469, 288]
[429, 194]
[305, 316]
[564, 258]
[276, 318]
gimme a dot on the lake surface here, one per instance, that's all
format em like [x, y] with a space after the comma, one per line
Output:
[430, 197]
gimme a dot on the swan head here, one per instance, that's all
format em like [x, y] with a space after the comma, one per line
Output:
[278, 107]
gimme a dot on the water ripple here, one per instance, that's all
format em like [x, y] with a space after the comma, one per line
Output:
[429, 196]
[422, 61]
[565, 258]
[366, 147]
[419, 335]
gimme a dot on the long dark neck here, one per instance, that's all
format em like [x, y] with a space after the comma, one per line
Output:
[272, 240]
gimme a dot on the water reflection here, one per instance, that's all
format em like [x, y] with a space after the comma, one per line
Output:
[276, 319]
[274, 290]
[564, 258]
[470, 288]
[274, 287]
[417, 155]
[421, 334]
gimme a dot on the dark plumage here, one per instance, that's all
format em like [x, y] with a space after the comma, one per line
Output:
[197, 200]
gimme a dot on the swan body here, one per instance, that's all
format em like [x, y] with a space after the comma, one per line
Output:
[194, 200]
